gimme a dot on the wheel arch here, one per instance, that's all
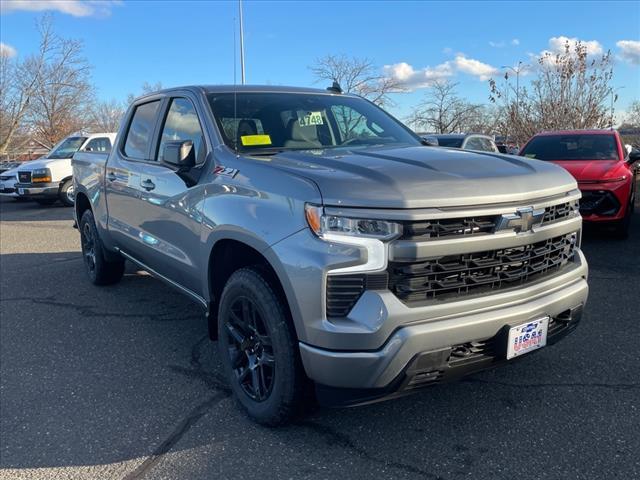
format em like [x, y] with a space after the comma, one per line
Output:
[228, 255]
[81, 205]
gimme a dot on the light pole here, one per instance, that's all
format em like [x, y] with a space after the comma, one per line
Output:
[517, 70]
[612, 92]
[241, 43]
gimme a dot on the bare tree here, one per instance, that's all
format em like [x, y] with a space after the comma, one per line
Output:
[630, 127]
[19, 82]
[483, 119]
[632, 118]
[443, 111]
[356, 75]
[106, 116]
[146, 89]
[61, 102]
[570, 91]
[46, 93]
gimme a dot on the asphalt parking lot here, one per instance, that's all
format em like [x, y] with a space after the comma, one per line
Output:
[121, 383]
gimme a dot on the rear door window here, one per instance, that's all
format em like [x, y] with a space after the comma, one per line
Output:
[473, 143]
[98, 144]
[140, 131]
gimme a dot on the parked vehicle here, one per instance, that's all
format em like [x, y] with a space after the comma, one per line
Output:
[8, 180]
[601, 164]
[465, 141]
[328, 245]
[48, 179]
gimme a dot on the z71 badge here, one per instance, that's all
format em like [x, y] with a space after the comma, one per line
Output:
[225, 171]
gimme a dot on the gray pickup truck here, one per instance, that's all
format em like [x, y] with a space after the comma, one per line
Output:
[332, 251]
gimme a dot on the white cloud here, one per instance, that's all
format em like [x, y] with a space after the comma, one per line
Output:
[7, 50]
[424, 77]
[474, 67]
[76, 8]
[502, 44]
[558, 45]
[630, 51]
[411, 79]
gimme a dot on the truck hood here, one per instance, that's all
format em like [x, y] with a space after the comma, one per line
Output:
[44, 163]
[588, 170]
[423, 177]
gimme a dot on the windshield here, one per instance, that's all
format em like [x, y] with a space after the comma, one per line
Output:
[572, 147]
[455, 142]
[272, 122]
[67, 147]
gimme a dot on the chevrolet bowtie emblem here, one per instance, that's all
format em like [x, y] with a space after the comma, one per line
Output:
[522, 221]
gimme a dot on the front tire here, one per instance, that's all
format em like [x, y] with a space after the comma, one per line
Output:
[66, 193]
[622, 227]
[259, 349]
[100, 270]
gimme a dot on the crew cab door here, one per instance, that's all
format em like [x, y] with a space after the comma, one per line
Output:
[171, 200]
[122, 178]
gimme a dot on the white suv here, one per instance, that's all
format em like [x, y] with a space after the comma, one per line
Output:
[48, 180]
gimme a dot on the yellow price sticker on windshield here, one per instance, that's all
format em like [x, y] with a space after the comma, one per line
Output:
[530, 155]
[255, 140]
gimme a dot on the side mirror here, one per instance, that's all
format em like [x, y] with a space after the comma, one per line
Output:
[179, 154]
[634, 156]
[430, 141]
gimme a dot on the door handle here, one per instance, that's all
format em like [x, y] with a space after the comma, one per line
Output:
[111, 177]
[147, 184]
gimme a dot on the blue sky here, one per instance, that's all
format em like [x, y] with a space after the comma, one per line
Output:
[190, 42]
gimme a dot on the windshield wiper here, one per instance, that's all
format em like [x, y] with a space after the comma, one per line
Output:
[273, 150]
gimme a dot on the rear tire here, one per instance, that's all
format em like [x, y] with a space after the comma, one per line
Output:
[259, 349]
[45, 202]
[66, 193]
[100, 270]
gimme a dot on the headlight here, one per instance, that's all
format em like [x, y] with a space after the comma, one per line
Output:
[323, 225]
[41, 175]
[372, 235]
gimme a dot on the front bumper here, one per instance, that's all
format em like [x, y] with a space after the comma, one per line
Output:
[37, 190]
[445, 365]
[8, 192]
[357, 376]
[605, 202]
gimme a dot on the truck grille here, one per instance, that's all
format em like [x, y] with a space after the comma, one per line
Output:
[481, 225]
[457, 275]
[24, 177]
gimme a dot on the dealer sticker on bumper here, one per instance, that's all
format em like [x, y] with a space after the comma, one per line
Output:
[527, 337]
[21, 191]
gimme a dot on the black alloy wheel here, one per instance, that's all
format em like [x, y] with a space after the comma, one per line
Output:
[89, 248]
[250, 349]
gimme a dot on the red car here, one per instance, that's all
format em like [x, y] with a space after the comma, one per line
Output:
[602, 166]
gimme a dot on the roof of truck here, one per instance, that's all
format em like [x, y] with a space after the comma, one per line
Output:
[244, 89]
